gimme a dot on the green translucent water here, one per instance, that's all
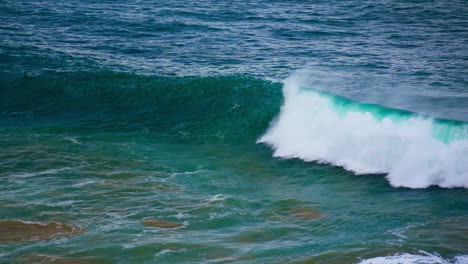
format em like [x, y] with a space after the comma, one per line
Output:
[444, 130]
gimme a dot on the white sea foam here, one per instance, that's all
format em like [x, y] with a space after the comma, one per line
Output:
[314, 128]
[44, 172]
[83, 183]
[217, 198]
[73, 140]
[164, 251]
[425, 258]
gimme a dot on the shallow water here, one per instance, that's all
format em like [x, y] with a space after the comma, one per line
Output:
[259, 132]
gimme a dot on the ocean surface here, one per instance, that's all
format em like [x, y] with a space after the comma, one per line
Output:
[234, 131]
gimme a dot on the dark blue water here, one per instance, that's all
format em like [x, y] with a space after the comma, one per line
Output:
[260, 131]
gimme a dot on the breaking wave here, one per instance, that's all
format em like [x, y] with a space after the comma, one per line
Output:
[414, 150]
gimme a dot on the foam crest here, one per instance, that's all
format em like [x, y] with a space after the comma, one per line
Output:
[414, 259]
[414, 151]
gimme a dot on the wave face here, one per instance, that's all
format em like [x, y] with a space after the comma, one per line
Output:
[414, 151]
[232, 108]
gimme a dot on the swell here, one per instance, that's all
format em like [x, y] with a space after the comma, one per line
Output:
[414, 150]
[236, 108]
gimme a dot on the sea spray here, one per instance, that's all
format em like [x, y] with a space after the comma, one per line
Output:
[414, 150]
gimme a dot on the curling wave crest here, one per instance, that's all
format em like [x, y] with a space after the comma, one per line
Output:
[415, 151]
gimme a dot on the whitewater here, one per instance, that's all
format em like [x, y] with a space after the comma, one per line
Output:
[423, 258]
[413, 150]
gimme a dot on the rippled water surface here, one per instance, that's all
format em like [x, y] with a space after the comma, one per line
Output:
[233, 131]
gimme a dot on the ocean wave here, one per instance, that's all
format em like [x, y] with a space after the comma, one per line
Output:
[414, 150]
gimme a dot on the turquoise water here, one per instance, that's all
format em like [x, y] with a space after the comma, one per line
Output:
[267, 132]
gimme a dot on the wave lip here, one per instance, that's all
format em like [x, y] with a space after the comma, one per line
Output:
[414, 151]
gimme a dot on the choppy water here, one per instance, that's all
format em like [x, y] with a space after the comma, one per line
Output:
[263, 131]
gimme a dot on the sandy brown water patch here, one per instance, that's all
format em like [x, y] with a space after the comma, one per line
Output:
[287, 214]
[160, 223]
[303, 213]
[19, 231]
[255, 236]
